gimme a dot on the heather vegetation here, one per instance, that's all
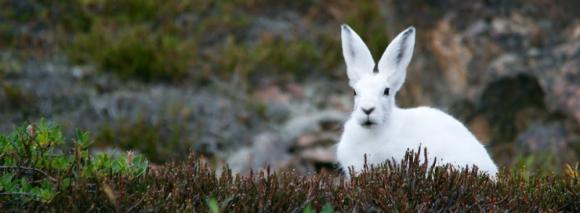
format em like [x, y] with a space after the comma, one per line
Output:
[42, 171]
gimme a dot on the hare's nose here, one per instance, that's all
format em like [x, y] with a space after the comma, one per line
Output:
[368, 111]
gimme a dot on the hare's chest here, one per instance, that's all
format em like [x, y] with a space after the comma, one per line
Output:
[380, 151]
[369, 150]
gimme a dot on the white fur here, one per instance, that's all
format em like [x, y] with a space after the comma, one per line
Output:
[394, 130]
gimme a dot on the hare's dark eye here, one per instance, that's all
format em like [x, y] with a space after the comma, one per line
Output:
[354, 92]
[386, 92]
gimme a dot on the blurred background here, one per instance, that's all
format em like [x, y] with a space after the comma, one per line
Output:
[253, 82]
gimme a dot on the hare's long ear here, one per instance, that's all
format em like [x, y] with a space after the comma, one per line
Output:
[357, 56]
[396, 58]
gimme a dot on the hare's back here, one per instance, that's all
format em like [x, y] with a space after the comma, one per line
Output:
[434, 125]
[445, 137]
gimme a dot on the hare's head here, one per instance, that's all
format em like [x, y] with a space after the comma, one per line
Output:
[375, 86]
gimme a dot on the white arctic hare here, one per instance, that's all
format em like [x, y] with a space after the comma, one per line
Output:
[383, 131]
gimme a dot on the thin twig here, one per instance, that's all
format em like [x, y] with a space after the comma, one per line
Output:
[136, 204]
[30, 169]
[18, 193]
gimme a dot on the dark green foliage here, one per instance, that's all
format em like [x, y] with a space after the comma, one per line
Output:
[197, 40]
[364, 18]
[35, 176]
[12, 97]
[134, 52]
[17, 100]
[37, 165]
[158, 141]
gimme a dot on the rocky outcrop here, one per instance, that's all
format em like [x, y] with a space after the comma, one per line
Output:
[510, 70]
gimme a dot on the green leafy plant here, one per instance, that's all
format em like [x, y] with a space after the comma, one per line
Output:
[37, 163]
[213, 205]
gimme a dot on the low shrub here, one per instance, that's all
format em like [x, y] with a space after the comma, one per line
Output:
[38, 174]
[38, 165]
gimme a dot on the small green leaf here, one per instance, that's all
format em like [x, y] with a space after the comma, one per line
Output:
[327, 208]
[83, 139]
[308, 209]
[213, 205]
[6, 183]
